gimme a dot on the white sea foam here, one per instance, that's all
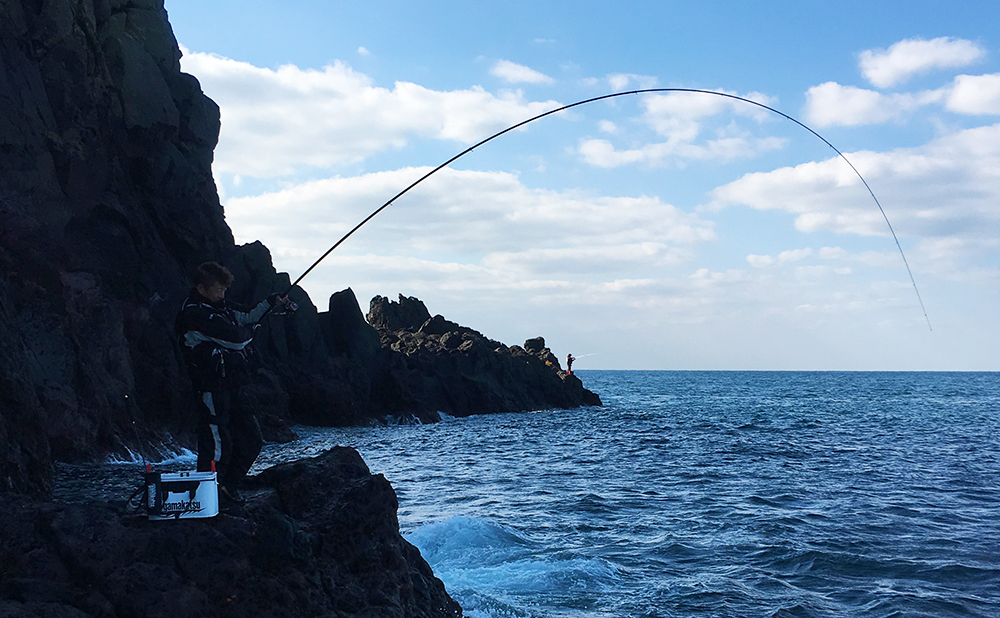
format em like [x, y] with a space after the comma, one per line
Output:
[169, 453]
[470, 553]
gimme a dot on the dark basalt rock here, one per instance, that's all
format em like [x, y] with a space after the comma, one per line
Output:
[346, 330]
[317, 537]
[453, 369]
[407, 314]
[106, 201]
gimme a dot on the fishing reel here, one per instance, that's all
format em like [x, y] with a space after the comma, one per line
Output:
[288, 308]
[282, 305]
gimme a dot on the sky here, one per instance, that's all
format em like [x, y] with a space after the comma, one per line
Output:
[655, 231]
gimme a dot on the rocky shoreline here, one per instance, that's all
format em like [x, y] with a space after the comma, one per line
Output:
[107, 203]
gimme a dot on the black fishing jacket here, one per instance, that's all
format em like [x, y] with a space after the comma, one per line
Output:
[215, 340]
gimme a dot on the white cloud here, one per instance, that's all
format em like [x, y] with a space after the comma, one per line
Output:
[791, 255]
[700, 104]
[275, 122]
[515, 262]
[975, 94]
[589, 259]
[606, 126]
[831, 104]
[481, 235]
[680, 118]
[602, 153]
[467, 213]
[760, 261]
[678, 115]
[363, 51]
[622, 81]
[513, 73]
[480, 244]
[945, 190]
[886, 68]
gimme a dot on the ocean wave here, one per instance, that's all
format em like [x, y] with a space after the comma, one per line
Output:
[470, 553]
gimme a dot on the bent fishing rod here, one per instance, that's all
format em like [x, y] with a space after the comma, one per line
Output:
[602, 98]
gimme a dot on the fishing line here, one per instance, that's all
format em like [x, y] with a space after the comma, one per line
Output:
[611, 96]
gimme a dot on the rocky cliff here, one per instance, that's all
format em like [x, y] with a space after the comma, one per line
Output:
[107, 202]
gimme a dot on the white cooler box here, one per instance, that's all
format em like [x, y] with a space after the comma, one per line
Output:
[181, 495]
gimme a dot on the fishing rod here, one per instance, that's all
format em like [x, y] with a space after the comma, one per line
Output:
[602, 98]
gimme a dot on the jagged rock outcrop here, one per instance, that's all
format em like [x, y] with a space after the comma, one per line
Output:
[316, 537]
[457, 370]
[407, 314]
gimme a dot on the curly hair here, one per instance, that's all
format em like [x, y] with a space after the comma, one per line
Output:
[213, 272]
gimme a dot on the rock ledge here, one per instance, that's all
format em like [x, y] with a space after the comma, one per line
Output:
[316, 537]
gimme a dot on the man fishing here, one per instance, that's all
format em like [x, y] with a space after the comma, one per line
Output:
[215, 337]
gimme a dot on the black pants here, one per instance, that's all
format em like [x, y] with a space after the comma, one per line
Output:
[228, 435]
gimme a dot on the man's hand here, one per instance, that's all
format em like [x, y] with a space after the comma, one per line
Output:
[279, 301]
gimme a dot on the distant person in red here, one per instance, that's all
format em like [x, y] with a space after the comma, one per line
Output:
[215, 337]
[569, 363]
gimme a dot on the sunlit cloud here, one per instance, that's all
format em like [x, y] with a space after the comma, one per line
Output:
[832, 104]
[589, 259]
[606, 126]
[791, 255]
[602, 153]
[666, 112]
[275, 122]
[513, 73]
[680, 118]
[622, 81]
[884, 68]
[463, 212]
[943, 191]
[975, 94]
[481, 230]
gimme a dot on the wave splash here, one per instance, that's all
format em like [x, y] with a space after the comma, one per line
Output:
[489, 567]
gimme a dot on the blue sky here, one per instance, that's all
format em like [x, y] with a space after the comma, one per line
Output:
[659, 232]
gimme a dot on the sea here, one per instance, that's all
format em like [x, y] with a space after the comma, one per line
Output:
[721, 494]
